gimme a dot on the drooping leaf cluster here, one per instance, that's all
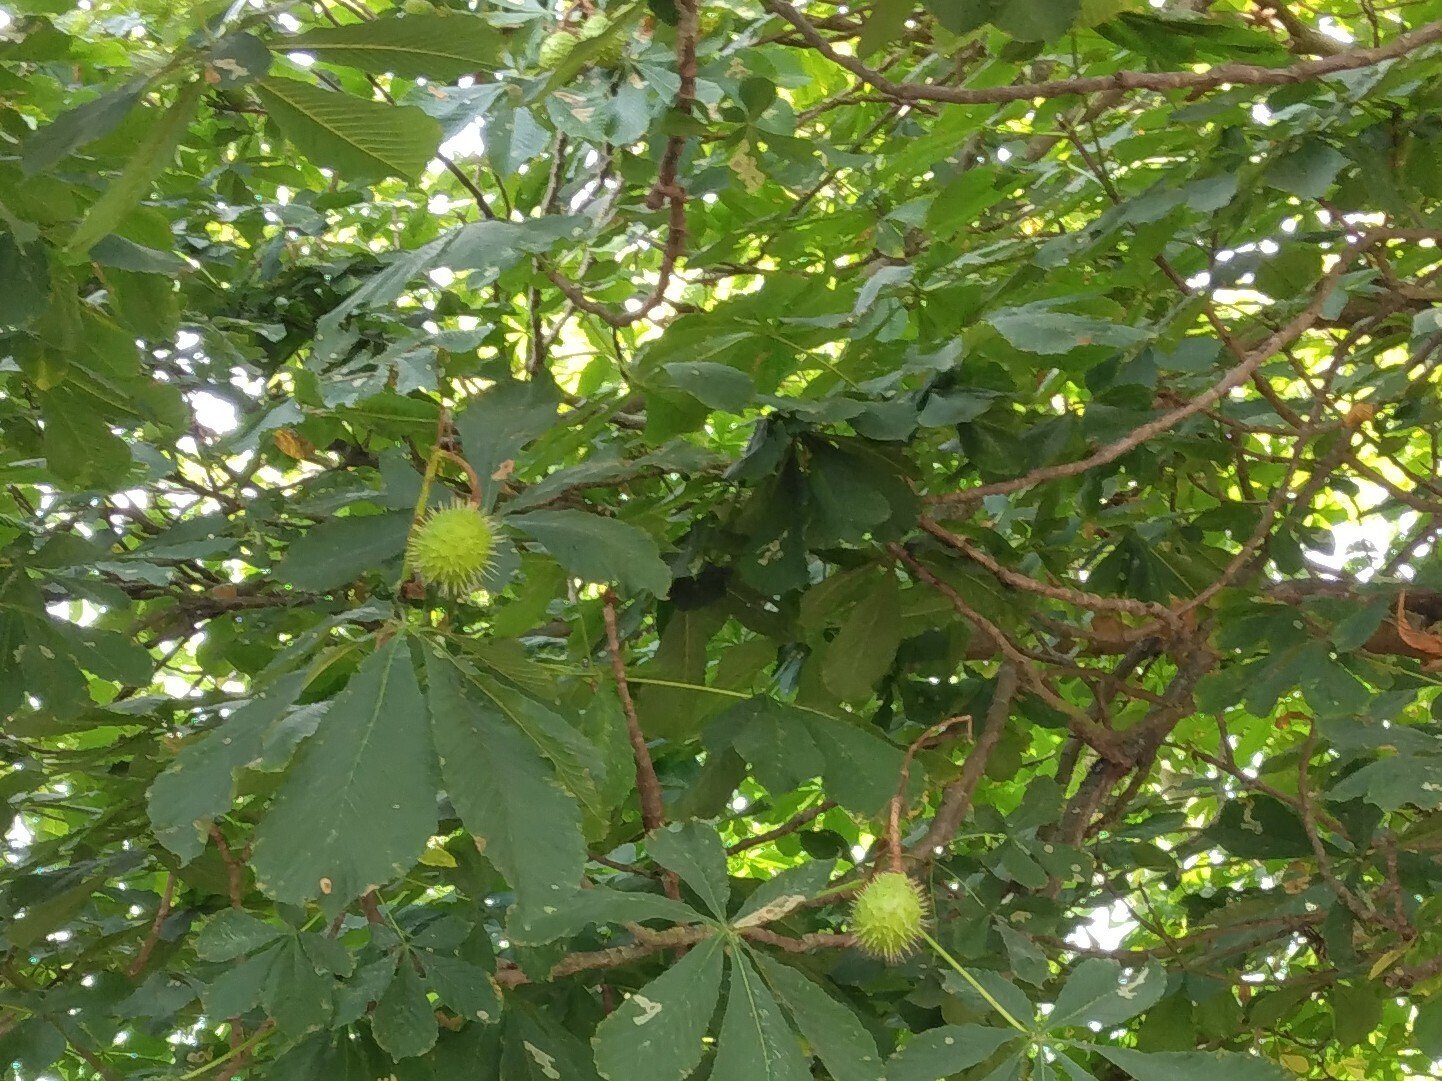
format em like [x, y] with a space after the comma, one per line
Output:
[992, 441]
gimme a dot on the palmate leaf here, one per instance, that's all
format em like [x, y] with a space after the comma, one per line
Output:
[435, 47]
[598, 549]
[505, 792]
[339, 550]
[152, 157]
[942, 1052]
[355, 137]
[199, 785]
[358, 805]
[578, 764]
[404, 1023]
[755, 1043]
[833, 1031]
[1192, 1065]
[77, 127]
[662, 1024]
[595, 907]
[694, 851]
[1097, 993]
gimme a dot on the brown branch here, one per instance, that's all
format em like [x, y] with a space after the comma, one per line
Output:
[653, 814]
[1197, 81]
[648, 787]
[1138, 747]
[674, 937]
[791, 825]
[153, 938]
[1079, 598]
[610, 958]
[817, 940]
[956, 798]
[893, 817]
[667, 190]
[1083, 727]
[234, 869]
[1356, 905]
[1170, 419]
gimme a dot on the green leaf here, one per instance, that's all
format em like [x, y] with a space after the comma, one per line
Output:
[754, 1043]
[1036, 329]
[578, 763]
[1193, 1065]
[118, 253]
[404, 1023]
[78, 127]
[834, 1033]
[1427, 1028]
[505, 792]
[694, 851]
[466, 988]
[234, 933]
[884, 25]
[1097, 992]
[1356, 1012]
[1354, 631]
[1028, 963]
[299, 998]
[152, 157]
[775, 739]
[662, 1025]
[1036, 20]
[784, 892]
[434, 47]
[199, 785]
[597, 549]
[494, 426]
[862, 770]
[539, 1048]
[79, 445]
[327, 954]
[339, 550]
[597, 906]
[31, 1045]
[26, 269]
[864, 648]
[359, 139]
[1306, 171]
[1394, 782]
[482, 246]
[719, 386]
[358, 805]
[943, 1052]
[240, 987]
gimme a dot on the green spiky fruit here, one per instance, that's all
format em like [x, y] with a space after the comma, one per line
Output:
[554, 50]
[452, 548]
[888, 914]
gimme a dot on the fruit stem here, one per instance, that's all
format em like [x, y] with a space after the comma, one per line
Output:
[421, 501]
[471, 476]
[974, 982]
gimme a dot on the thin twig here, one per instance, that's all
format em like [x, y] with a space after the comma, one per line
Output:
[893, 817]
[1214, 77]
[791, 825]
[653, 812]
[234, 869]
[956, 798]
[153, 938]
[1082, 726]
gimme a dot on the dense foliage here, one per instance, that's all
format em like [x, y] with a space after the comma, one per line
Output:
[511, 513]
